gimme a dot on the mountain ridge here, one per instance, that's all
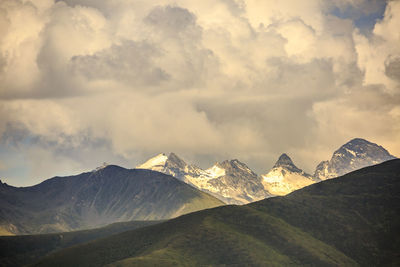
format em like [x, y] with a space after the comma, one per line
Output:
[348, 221]
[284, 177]
[96, 198]
[230, 181]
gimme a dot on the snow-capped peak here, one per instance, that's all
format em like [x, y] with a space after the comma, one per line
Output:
[235, 166]
[285, 177]
[170, 164]
[156, 161]
[231, 180]
[175, 162]
[355, 154]
[286, 162]
[359, 147]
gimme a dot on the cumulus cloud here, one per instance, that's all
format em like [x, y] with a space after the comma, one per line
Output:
[84, 81]
[377, 54]
[129, 62]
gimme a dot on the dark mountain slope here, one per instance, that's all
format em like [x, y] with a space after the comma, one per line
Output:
[348, 221]
[108, 195]
[25, 249]
[358, 213]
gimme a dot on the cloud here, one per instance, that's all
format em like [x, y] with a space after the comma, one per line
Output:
[129, 62]
[376, 53]
[85, 81]
[172, 19]
[392, 67]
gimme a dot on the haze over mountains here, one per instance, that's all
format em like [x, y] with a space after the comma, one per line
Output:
[106, 195]
[234, 183]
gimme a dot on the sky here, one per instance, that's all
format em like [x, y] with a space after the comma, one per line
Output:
[84, 82]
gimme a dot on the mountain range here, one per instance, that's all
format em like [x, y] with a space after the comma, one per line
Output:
[352, 220]
[106, 195]
[111, 193]
[233, 182]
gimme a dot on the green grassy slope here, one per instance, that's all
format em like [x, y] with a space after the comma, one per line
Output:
[349, 221]
[25, 249]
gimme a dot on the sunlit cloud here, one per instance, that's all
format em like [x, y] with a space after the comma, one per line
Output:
[84, 81]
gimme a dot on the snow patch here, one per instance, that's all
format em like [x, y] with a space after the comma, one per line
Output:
[157, 161]
[351, 152]
[215, 171]
[280, 181]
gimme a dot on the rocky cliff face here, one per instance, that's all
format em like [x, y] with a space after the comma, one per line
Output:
[353, 155]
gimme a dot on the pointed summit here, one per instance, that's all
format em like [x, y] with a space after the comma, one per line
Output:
[236, 167]
[171, 165]
[285, 177]
[286, 162]
[154, 162]
[230, 181]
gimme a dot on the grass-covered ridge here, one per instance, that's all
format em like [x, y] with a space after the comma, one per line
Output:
[349, 221]
[25, 249]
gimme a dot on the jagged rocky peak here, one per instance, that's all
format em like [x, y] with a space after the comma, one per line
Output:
[171, 165]
[283, 160]
[174, 161]
[156, 161]
[362, 148]
[231, 180]
[286, 162]
[162, 160]
[235, 166]
[355, 154]
[285, 177]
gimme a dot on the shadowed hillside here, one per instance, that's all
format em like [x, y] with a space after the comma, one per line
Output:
[349, 221]
[94, 199]
[25, 249]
